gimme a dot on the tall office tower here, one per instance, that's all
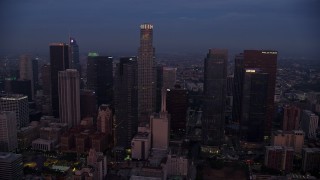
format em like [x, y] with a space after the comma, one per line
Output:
[177, 106]
[126, 101]
[169, 77]
[309, 123]
[105, 120]
[146, 74]
[26, 70]
[35, 70]
[100, 77]
[88, 103]
[159, 80]
[74, 55]
[69, 97]
[257, 69]
[215, 80]
[8, 131]
[59, 61]
[11, 166]
[254, 99]
[160, 126]
[291, 118]
[46, 79]
[19, 104]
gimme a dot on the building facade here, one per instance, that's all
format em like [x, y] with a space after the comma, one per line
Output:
[214, 95]
[19, 104]
[291, 118]
[100, 77]
[309, 123]
[146, 74]
[294, 139]
[11, 166]
[59, 61]
[126, 101]
[69, 97]
[8, 131]
[279, 158]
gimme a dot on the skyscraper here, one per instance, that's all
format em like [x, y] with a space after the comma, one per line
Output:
[11, 166]
[74, 55]
[291, 118]
[215, 75]
[146, 74]
[26, 71]
[100, 77]
[88, 103]
[126, 101]
[46, 79]
[105, 121]
[169, 77]
[69, 97]
[59, 61]
[254, 82]
[8, 131]
[19, 104]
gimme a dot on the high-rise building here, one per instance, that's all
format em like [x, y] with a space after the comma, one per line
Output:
[35, 70]
[254, 87]
[88, 103]
[310, 159]
[8, 131]
[11, 166]
[19, 104]
[69, 97]
[159, 82]
[126, 101]
[160, 126]
[46, 79]
[291, 118]
[105, 120]
[100, 77]
[26, 71]
[74, 55]
[309, 123]
[177, 106]
[59, 61]
[254, 99]
[146, 74]
[169, 77]
[294, 139]
[215, 75]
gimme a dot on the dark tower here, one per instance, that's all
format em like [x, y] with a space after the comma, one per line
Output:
[146, 74]
[59, 61]
[215, 79]
[254, 79]
[126, 102]
[100, 77]
[74, 54]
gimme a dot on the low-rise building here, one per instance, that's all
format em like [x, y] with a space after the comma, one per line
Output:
[43, 145]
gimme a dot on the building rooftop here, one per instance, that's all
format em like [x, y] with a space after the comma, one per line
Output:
[141, 135]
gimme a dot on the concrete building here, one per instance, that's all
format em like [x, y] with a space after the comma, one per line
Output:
[140, 146]
[279, 158]
[8, 131]
[309, 123]
[99, 162]
[26, 71]
[214, 94]
[69, 97]
[291, 118]
[105, 119]
[294, 139]
[11, 166]
[146, 74]
[310, 159]
[19, 104]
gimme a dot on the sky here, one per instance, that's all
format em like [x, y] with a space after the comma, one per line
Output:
[180, 26]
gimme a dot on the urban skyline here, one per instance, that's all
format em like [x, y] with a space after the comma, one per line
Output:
[291, 27]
